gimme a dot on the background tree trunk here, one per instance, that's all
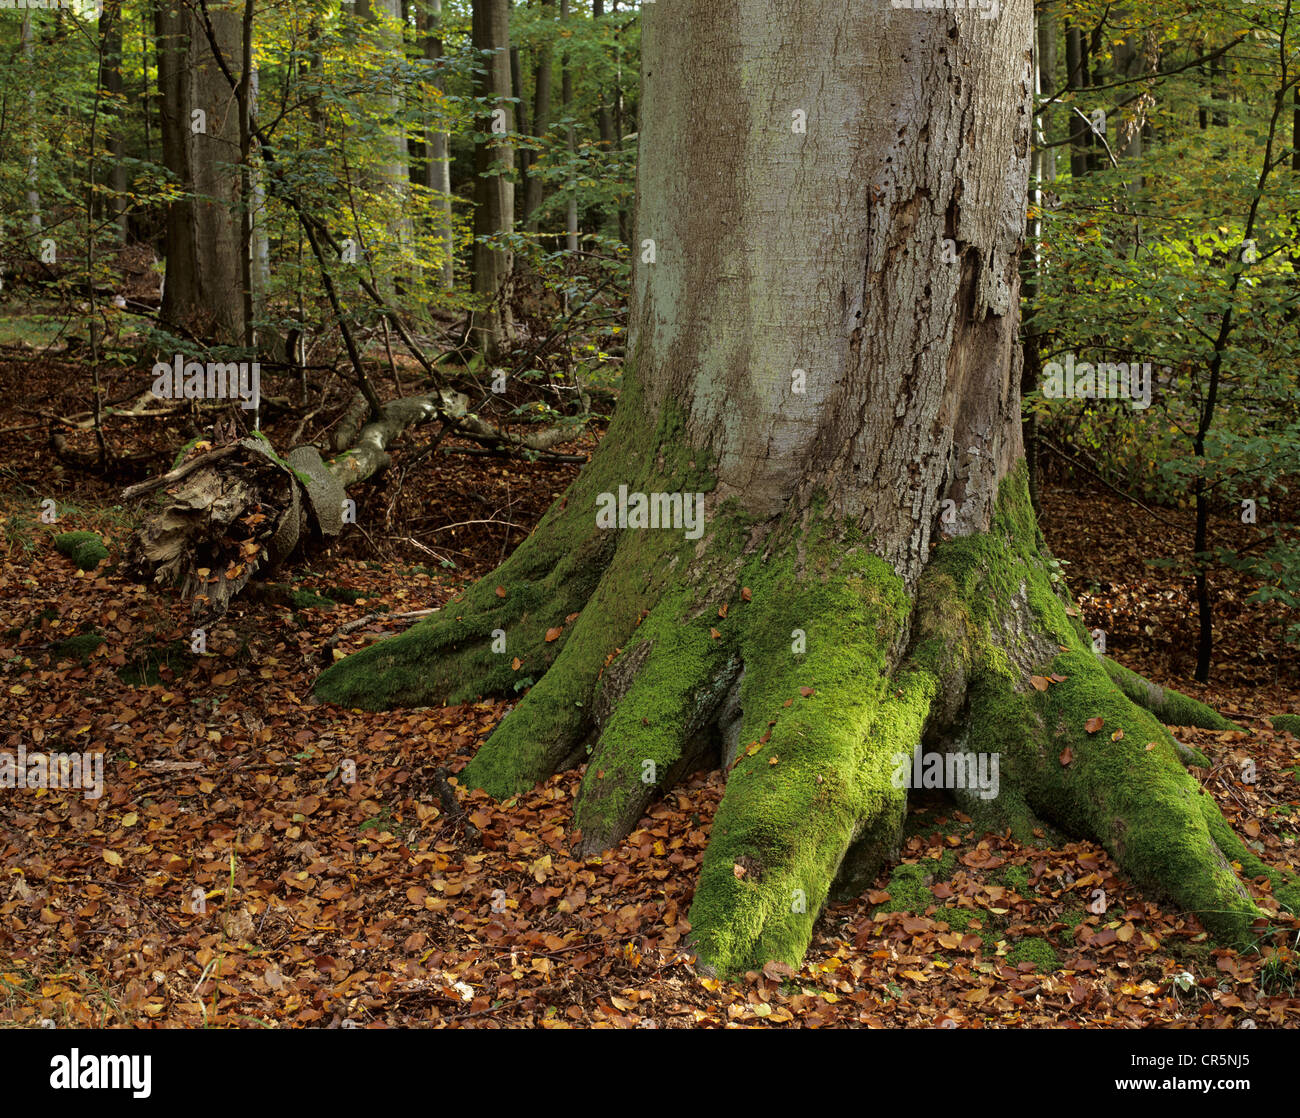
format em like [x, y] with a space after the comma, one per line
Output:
[533, 187]
[437, 165]
[494, 191]
[204, 281]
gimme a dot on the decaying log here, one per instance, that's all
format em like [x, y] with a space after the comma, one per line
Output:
[242, 509]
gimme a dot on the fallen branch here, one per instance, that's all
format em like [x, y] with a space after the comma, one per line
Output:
[327, 649]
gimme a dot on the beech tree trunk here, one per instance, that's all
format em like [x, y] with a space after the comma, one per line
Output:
[534, 190]
[494, 191]
[822, 403]
[437, 163]
[203, 287]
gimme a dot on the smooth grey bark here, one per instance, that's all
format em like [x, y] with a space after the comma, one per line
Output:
[260, 249]
[437, 161]
[494, 192]
[203, 289]
[110, 81]
[533, 188]
[27, 46]
[870, 260]
[566, 99]
[390, 176]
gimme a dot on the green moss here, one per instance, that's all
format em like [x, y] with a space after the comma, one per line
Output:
[1138, 801]
[1173, 708]
[1290, 723]
[309, 599]
[1017, 877]
[819, 782]
[79, 647]
[973, 921]
[1037, 951]
[909, 889]
[1071, 918]
[85, 549]
[145, 668]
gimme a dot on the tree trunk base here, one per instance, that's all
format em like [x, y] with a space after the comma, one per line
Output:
[801, 660]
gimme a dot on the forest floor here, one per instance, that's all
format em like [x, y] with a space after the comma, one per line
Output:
[376, 902]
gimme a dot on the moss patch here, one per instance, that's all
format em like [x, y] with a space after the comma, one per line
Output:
[1290, 723]
[85, 549]
[149, 667]
[79, 647]
[1037, 951]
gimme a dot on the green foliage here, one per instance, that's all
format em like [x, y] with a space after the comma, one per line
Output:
[1178, 254]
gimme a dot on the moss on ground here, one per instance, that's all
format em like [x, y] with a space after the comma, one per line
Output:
[1290, 723]
[79, 647]
[144, 669]
[1037, 951]
[85, 549]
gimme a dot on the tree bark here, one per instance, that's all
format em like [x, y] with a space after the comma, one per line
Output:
[437, 165]
[566, 99]
[533, 188]
[110, 80]
[203, 286]
[494, 191]
[830, 208]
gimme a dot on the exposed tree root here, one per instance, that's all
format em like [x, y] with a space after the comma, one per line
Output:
[790, 653]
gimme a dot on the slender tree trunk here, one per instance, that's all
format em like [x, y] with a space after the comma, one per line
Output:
[27, 46]
[533, 188]
[1042, 174]
[805, 544]
[494, 192]
[437, 166]
[200, 136]
[391, 176]
[110, 79]
[1077, 66]
[566, 97]
[260, 274]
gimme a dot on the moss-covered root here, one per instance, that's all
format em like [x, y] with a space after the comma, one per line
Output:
[1092, 761]
[560, 709]
[654, 707]
[501, 632]
[1075, 746]
[1173, 708]
[822, 733]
